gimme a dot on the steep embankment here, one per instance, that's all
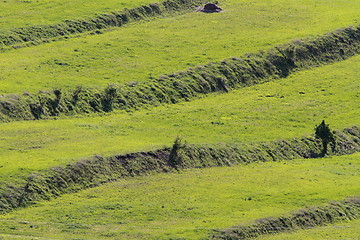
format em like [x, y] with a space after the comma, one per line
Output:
[42, 33]
[173, 88]
[53, 182]
[305, 218]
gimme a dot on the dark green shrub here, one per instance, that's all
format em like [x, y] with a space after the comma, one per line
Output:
[324, 133]
[174, 159]
[108, 99]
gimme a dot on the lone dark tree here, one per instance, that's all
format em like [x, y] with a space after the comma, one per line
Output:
[174, 153]
[324, 133]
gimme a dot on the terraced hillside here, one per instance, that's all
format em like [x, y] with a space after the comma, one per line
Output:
[98, 93]
[132, 54]
[23, 14]
[189, 204]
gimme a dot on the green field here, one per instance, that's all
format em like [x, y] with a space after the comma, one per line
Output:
[188, 204]
[136, 52]
[271, 111]
[348, 230]
[16, 14]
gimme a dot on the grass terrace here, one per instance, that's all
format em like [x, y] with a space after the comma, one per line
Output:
[280, 109]
[189, 204]
[144, 50]
[15, 14]
[184, 204]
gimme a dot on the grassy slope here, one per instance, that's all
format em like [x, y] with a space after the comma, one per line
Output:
[135, 52]
[30, 146]
[339, 231]
[15, 14]
[191, 203]
[264, 112]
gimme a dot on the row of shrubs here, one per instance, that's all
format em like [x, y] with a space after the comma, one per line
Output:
[41, 33]
[50, 183]
[305, 218]
[186, 85]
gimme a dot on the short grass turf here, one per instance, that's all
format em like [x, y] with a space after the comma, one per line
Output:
[141, 51]
[189, 204]
[341, 231]
[283, 108]
[16, 14]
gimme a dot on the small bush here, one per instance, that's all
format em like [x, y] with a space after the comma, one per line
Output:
[174, 159]
[324, 133]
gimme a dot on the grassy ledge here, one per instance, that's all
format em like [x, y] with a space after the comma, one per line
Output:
[41, 33]
[305, 218]
[183, 86]
[191, 203]
[54, 182]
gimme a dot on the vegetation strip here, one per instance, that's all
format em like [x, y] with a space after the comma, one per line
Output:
[186, 85]
[115, 19]
[53, 182]
[305, 218]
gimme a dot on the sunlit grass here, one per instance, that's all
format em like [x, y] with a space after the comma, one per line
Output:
[283, 108]
[16, 14]
[349, 230]
[189, 204]
[137, 52]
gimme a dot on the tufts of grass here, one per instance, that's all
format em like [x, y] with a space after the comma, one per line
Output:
[42, 33]
[186, 85]
[347, 230]
[189, 204]
[276, 110]
[139, 52]
[305, 218]
[17, 14]
[46, 184]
